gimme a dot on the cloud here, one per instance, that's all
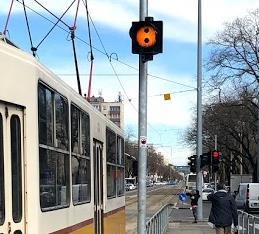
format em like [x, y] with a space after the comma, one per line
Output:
[180, 17]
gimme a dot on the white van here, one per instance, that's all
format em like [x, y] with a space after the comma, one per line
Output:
[247, 197]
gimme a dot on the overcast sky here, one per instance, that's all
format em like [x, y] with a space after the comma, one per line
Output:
[173, 72]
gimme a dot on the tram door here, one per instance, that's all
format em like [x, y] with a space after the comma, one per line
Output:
[12, 220]
[98, 187]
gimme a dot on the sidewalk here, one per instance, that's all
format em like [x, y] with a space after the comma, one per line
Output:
[181, 221]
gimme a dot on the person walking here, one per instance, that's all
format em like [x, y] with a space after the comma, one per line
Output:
[194, 196]
[223, 210]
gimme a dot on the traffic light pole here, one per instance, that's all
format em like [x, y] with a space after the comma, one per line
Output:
[142, 132]
[199, 112]
[216, 174]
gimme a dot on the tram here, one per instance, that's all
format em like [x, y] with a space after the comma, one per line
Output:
[61, 160]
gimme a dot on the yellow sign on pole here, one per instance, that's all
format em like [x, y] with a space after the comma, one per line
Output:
[167, 96]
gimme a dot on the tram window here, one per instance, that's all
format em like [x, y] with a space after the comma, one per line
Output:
[85, 135]
[75, 118]
[54, 179]
[54, 165]
[16, 168]
[18, 232]
[2, 202]
[46, 110]
[120, 181]
[80, 161]
[111, 181]
[81, 180]
[110, 146]
[61, 108]
[120, 151]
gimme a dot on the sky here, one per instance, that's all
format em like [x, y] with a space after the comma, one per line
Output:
[174, 71]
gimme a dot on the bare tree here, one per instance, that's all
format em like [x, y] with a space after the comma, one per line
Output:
[234, 63]
[233, 120]
[234, 51]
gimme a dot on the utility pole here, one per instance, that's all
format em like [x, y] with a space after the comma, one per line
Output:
[199, 112]
[147, 40]
[142, 131]
[257, 144]
[215, 175]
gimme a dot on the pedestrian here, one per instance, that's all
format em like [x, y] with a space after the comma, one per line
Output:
[194, 196]
[223, 210]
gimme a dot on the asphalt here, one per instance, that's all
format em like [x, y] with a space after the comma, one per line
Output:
[181, 220]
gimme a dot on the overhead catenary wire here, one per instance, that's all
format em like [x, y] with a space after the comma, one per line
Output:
[110, 62]
[107, 55]
[50, 13]
[59, 20]
[104, 53]
[72, 34]
[182, 91]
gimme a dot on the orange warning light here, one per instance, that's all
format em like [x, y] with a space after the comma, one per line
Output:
[146, 36]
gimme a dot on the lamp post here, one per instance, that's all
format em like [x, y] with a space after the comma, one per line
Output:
[199, 110]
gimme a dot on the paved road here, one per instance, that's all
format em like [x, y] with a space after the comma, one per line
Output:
[181, 220]
[183, 213]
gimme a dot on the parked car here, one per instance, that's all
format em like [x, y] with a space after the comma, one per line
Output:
[149, 184]
[206, 185]
[247, 197]
[130, 187]
[206, 192]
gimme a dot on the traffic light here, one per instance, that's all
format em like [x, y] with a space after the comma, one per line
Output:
[147, 38]
[192, 163]
[215, 160]
[205, 159]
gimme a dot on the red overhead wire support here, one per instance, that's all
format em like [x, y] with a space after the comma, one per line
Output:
[7, 20]
[90, 80]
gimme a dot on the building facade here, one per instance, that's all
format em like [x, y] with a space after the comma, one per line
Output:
[112, 110]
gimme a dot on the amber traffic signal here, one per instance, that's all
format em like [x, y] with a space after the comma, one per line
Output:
[147, 37]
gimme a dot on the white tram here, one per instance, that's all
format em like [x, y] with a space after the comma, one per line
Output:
[61, 161]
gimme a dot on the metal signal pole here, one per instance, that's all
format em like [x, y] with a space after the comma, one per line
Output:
[216, 174]
[199, 111]
[142, 132]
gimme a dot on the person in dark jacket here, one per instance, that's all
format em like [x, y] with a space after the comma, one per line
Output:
[194, 196]
[223, 210]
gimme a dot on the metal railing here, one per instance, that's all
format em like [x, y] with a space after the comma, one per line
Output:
[158, 223]
[247, 223]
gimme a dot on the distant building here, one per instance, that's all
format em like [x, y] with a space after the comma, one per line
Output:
[112, 110]
[183, 169]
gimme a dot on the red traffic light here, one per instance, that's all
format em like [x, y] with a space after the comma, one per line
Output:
[215, 154]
